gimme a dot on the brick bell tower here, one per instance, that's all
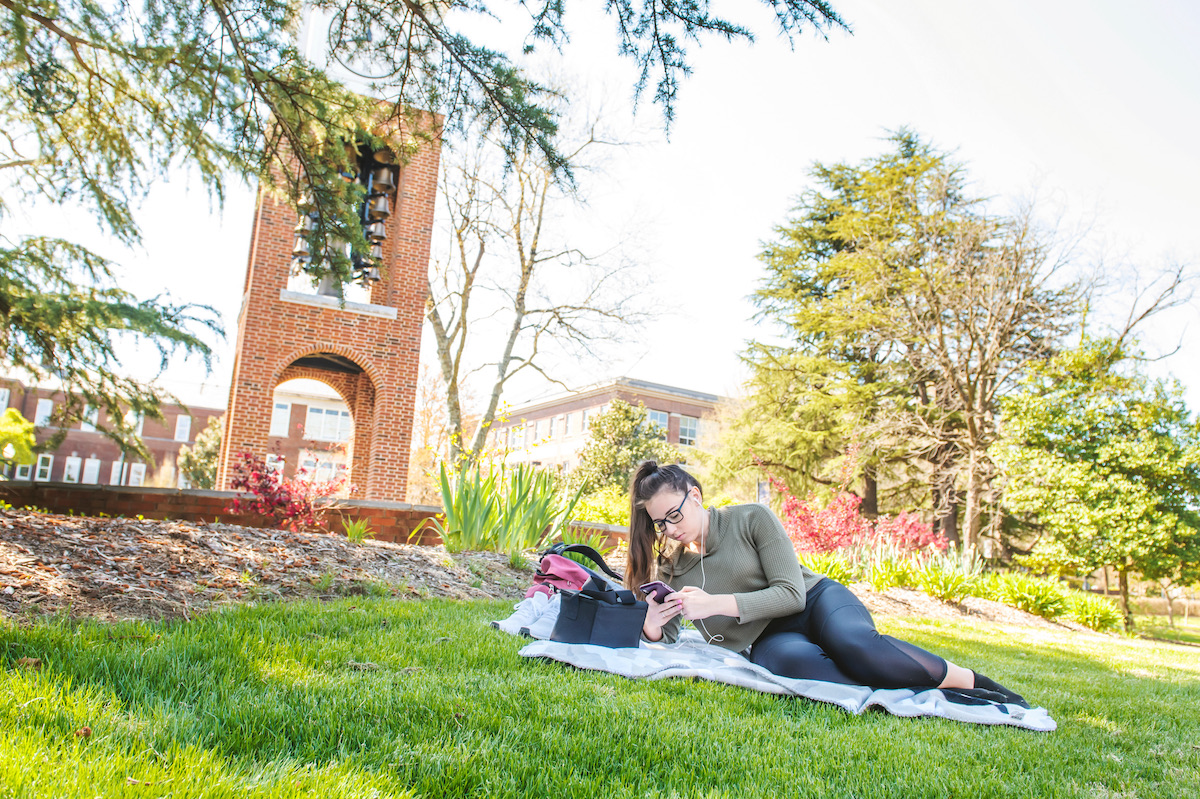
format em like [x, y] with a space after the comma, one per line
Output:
[367, 351]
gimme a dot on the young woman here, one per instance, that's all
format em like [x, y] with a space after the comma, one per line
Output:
[736, 577]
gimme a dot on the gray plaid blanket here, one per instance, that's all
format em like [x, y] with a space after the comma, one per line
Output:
[692, 657]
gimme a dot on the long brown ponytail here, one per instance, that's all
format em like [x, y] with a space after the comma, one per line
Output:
[648, 480]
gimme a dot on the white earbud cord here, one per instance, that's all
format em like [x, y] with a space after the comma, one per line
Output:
[712, 639]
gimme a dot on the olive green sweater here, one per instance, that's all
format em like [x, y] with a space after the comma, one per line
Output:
[747, 554]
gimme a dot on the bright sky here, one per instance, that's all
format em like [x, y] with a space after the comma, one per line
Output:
[1092, 103]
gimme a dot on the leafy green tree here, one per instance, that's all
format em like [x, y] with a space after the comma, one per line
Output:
[16, 439]
[198, 463]
[99, 98]
[1108, 464]
[618, 440]
[906, 312]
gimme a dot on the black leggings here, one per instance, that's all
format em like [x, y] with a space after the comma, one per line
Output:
[834, 639]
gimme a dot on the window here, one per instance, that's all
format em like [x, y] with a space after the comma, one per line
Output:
[71, 468]
[327, 471]
[137, 474]
[328, 424]
[117, 476]
[689, 430]
[4, 395]
[45, 463]
[275, 463]
[660, 418]
[45, 409]
[91, 471]
[528, 436]
[91, 418]
[281, 417]
[135, 421]
[553, 426]
[183, 427]
[23, 472]
[567, 424]
[586, 420]
[537, 431]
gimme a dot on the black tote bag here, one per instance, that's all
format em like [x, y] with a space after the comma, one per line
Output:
[599, 615]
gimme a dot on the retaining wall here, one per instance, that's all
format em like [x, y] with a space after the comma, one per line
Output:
[391, 521]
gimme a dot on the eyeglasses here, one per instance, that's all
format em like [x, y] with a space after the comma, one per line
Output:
[674, 517]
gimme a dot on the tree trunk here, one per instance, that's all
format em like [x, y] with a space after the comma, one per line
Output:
[870, 502]
[945, 510]
[973, 512]
[1123, 582]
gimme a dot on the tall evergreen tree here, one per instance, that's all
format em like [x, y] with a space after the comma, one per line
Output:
[906, 311]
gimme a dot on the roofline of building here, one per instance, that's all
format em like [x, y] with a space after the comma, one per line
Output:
[644, 386]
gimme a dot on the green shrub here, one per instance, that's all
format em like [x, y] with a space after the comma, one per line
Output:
[891, 570]
[470, 511]
[949, 577]
[357, 531]
[605, 506]
[508, 510]
[1093, 611]
[597, 541]
[833, 565]
[1038, 595]
[532, 510]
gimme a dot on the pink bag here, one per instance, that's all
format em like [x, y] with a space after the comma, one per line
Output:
[559, 573]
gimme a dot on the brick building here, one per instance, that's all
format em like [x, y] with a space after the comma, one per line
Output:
[88, 456]
[311, 428]
[553, 431]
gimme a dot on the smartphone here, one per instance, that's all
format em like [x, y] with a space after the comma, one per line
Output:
[657, 589]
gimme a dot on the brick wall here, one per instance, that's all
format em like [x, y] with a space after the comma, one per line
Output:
[391, 521]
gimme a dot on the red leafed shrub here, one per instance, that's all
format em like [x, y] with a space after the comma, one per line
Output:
[909, 532]
[294, 504]
[814, 528]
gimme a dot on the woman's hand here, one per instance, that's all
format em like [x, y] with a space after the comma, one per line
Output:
[699, 604]
[658, 614]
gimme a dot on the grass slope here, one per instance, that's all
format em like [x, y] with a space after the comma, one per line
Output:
[396, 699]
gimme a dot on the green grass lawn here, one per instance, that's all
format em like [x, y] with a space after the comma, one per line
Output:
[1157, 627]
[370, 697]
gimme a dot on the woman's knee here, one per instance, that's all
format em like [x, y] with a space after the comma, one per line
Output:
[793, 655]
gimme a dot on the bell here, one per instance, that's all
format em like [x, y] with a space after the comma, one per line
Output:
[298, 264]
[384, 156]
[382, 180]
[307, 203]
[380, 208]
[377, 231]
[377, 251]
[335, 247]
[306, 223]
[327, 287]
[300, 248]
[373, 274]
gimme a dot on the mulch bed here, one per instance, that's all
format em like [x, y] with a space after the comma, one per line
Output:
[124, 568]
[120, 568]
